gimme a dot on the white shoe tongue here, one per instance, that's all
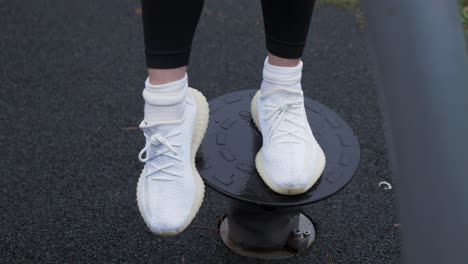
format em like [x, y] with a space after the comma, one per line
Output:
[282, 96]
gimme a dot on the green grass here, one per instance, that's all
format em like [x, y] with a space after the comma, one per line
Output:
[351, 5]
[464, 17]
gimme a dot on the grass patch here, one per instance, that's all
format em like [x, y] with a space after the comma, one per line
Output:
[350, 5]
[464, 17]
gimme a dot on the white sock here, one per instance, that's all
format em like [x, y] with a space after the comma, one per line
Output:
[276, 77]
[166, 102]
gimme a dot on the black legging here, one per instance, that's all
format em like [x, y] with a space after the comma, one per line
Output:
[169, 26]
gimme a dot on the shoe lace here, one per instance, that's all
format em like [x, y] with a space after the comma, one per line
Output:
[154, 141]
[278, 115]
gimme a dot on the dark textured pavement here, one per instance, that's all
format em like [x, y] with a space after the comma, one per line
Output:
[71, 76]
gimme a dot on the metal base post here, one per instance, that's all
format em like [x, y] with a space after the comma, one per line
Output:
[261, 223]
[266, 232]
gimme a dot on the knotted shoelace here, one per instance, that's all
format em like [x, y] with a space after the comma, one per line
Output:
[154, 141]
[277, 114]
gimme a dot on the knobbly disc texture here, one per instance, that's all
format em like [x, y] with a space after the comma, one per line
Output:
[226, 158]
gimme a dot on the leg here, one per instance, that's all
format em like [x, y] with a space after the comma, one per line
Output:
[286, 27]
[290, 160]
[168, 28]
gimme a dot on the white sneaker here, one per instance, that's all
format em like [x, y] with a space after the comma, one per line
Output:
[290, 160]
[170, 190]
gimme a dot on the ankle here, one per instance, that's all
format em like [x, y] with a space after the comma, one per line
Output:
[163, 76]
[165, 102]
[282, 62]
[279, 77]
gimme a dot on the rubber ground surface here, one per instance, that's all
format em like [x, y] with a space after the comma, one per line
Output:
[71, 77]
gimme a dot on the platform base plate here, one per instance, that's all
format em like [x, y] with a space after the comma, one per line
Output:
[303, 223]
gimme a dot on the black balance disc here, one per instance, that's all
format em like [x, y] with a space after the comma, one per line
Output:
[226, 161]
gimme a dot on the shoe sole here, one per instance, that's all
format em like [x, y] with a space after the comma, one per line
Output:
[199, 130]
[260, 167]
